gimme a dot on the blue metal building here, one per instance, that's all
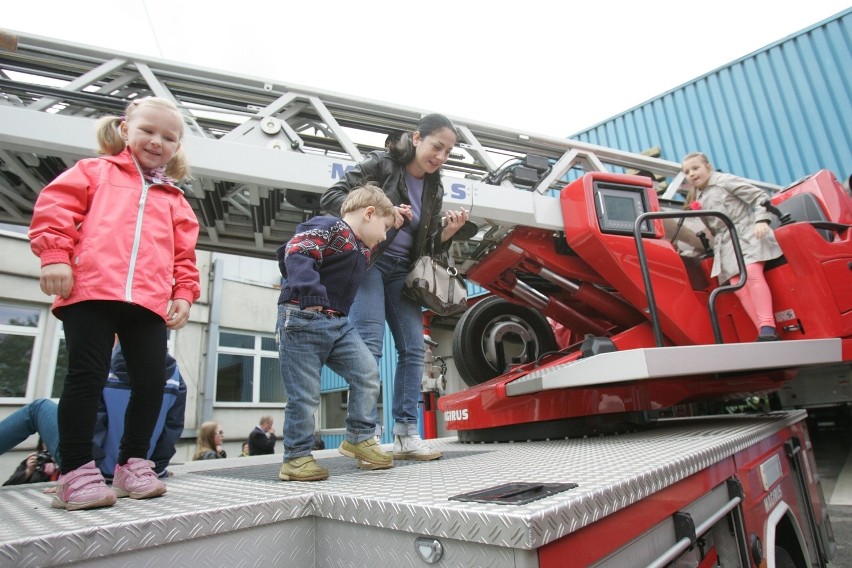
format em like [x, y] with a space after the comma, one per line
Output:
[778, 114]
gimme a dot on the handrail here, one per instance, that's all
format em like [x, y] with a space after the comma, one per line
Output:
[646, 276]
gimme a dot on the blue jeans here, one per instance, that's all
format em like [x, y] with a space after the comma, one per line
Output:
[306, 342]
[37, 417]
[380, 298]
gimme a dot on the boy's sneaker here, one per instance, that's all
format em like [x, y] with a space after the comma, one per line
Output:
[136, 479]
[369, 452]
[304, 468]
[83, 488]
[371, 466]
[413, 448]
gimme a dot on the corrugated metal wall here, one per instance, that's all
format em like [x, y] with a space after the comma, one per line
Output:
[776, 115]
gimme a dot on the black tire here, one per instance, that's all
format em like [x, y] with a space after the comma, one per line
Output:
[783, 558]
[495, 333]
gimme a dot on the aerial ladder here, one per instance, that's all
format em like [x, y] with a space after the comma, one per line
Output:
[262, 151]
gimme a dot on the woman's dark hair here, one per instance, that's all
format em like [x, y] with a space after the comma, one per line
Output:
[403, 150]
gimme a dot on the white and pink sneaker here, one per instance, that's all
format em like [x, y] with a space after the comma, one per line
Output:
[136, 479]
[83, 488]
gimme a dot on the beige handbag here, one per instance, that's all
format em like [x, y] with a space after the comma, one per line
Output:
[435, 284]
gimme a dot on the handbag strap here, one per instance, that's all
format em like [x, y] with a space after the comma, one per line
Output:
[451, 263]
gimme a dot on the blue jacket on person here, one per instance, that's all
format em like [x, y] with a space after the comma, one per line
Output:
[114, 401]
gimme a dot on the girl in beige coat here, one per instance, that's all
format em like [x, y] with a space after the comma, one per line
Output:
[740, 201]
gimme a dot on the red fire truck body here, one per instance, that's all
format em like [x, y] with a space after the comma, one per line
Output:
[655, 331]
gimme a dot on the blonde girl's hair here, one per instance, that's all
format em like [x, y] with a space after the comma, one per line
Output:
[691, 194]
[206, 439]
[110, 142]
[368, 195]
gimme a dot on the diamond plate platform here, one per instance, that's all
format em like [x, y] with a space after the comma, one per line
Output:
[237, 509]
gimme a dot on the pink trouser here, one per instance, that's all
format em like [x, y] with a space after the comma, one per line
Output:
[755, 296]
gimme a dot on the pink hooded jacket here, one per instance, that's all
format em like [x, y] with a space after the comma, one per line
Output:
[126, 241]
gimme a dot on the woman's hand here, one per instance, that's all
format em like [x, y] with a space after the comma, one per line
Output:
[57, 279]
[32, 463]
[455, 221]
[761, 229]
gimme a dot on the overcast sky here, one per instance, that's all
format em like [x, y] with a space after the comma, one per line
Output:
[545, 66]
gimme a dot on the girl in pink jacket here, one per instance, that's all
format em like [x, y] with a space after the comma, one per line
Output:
[116, 239]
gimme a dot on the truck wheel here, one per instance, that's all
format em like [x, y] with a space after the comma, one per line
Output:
[783, 558]
[494, 334]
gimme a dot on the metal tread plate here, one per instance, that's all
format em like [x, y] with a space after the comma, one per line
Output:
[213, 497]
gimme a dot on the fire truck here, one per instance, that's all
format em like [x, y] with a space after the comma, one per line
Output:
[587, 450]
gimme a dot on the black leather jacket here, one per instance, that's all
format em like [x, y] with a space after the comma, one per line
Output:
[389, 174]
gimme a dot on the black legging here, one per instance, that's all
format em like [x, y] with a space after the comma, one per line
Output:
[90, 329]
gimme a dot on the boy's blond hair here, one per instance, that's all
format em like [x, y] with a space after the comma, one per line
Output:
[368, 195]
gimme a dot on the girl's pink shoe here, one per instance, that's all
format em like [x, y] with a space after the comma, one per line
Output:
[136, 479]
[83, 488]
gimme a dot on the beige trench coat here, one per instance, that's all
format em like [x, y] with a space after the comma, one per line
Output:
[740, 201]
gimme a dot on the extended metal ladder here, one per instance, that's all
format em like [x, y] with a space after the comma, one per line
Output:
[262, 151]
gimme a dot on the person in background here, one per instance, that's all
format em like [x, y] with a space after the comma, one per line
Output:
[209, 443]
[409, 174]
[741, 202]
[89, 228]
[245, 453]
[261, 440]
[36, 468]
[36, 417]
[322, 267]
[40, 417]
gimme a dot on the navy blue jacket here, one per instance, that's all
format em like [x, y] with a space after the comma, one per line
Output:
[323, 264]
[110, 423]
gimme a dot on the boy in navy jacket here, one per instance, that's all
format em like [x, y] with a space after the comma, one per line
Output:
[322, 267]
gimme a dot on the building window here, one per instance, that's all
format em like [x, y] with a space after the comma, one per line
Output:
[334, 406]
[247, 369]
[61, 368]
[20, 332]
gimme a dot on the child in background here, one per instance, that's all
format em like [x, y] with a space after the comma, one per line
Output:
[116, 241]
[740, 201]
[322, 267]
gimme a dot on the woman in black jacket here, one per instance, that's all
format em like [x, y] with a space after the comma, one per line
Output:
[409, 174]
